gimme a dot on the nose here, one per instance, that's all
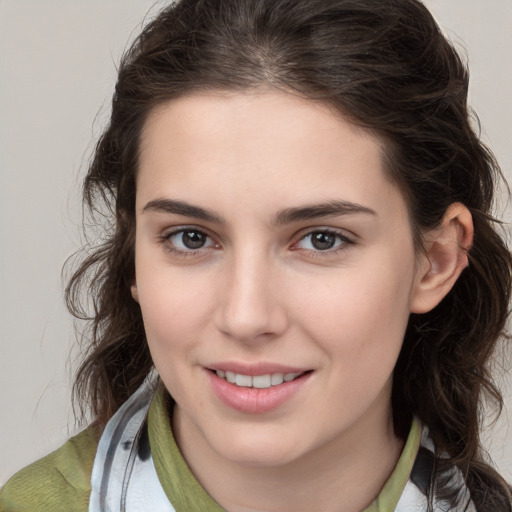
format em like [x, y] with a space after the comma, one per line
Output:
[250, 306]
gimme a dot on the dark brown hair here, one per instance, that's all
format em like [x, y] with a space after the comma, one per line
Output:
[386, 66]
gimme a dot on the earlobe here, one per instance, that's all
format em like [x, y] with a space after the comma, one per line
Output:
[135, 292]
[445, 257]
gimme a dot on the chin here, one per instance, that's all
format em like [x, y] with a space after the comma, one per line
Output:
[260, 451]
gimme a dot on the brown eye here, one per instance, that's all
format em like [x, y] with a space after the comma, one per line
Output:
[324, 240]
[189, 240]
[193, 239]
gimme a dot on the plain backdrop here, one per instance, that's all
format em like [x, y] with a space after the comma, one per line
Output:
[57, 72]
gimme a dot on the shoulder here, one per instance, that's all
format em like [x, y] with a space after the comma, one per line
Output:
[60, 481]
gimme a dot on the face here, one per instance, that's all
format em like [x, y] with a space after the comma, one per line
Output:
[275, 271]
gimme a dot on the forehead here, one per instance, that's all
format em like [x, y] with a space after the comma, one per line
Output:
[261, 115]
[245, 146]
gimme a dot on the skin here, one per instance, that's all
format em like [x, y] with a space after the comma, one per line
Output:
[259, 292]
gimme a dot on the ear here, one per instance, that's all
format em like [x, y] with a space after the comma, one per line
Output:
[135, 292]
[445, 257]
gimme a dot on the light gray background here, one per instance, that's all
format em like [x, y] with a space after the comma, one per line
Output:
[57, 67]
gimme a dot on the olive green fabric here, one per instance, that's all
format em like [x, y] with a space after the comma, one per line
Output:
[60, 482]
[183, 490]
[390, 494]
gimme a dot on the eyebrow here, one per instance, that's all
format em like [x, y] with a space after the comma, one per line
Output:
[327, 209]
[285, 216]
[182, 208]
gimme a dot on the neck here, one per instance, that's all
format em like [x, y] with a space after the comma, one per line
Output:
[342, 474]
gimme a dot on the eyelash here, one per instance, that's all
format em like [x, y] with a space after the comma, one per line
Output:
[342, 240]
[166, 241]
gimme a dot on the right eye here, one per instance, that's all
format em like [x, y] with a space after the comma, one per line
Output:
[188, 240]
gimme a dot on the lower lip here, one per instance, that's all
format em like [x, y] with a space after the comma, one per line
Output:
[255, 400]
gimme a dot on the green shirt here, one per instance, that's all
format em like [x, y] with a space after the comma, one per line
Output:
[60, 482]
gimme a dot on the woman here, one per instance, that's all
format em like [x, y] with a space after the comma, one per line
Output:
[303, 250]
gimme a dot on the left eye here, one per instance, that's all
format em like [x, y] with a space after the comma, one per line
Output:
[322, 241]
[190, 240]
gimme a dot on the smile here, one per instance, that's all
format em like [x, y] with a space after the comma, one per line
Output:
[254, 392]
[257, 381]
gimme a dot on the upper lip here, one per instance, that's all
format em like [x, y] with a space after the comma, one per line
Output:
[252, 369]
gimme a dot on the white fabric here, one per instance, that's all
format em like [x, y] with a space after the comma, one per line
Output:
[412, 500]
[121, 480]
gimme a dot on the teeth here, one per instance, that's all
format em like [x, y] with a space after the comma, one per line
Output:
[276, 379]
[258, 381]
[261, 381]
[244, 381]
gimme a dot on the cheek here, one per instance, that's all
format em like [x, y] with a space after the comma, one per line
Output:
[175, 307]
[359, 319]
[172, 326]
[171, 316]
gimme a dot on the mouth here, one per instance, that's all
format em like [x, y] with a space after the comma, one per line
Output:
[257, 388]
[253, 390]
[265, 381]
